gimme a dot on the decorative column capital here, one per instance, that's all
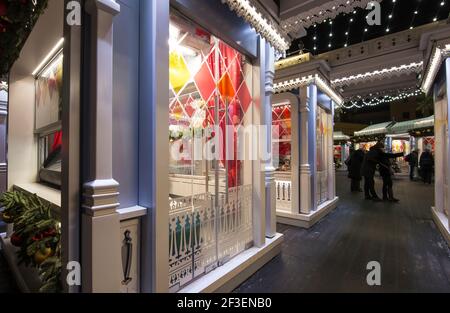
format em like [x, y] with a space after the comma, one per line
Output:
[108, 6]
[101, 197]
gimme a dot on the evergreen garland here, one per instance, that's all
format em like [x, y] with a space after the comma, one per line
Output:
[17, 19]
[37, 235]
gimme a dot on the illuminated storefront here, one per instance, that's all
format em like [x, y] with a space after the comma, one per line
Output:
[341, 150]
[162, 142]
[303, 111]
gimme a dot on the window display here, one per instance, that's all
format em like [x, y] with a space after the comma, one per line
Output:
[210, 218]
[48, 87]
[281, 120]
[49, 93]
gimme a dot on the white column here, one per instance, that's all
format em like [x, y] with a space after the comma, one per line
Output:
[295, 157]
[101, 255]
[271, 205]
[259, 165]
[447, 138]
[330, 152]
[305, 168]
[439, 134]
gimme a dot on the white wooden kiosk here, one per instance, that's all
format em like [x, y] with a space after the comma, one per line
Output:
[115, 182]
[307, 193]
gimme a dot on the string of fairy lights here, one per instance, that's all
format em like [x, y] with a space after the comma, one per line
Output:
[363, 103]
[331, 34]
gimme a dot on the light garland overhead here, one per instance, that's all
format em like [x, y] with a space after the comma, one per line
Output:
[378, 74]
[317, 15]
[438, 57]
[288, 85]
[268, 30]
[359, 104]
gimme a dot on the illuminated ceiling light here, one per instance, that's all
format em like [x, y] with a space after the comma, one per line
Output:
[442, 3]
[434, 66]
[50, 55]
[416, 12]
[435, 19]
[387, 30]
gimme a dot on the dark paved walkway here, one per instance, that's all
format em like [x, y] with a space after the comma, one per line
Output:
[333, 255]
[7, 284]
[6, 281]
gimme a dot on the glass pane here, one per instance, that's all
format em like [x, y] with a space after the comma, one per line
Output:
[282, 143]
[210, 193]
[50, 158]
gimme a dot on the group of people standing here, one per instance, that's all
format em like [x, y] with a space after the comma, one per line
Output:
[364, 165]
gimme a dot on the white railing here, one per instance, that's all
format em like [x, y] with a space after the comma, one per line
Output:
[202, 235]
[283, 194]
[322, 187]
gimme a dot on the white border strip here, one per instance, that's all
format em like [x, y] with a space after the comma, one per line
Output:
[387, 72]
[436, 61]
[307, 80]
[250, 14]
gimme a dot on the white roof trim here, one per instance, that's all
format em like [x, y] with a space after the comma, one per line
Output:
[267, 29]
[378, 74]
[308, 80]
[440, 53]
[329, 10]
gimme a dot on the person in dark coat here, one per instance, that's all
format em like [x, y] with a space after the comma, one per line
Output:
[369, 166]
[413, 161]
[386, 172]
[426, 166]
[354, 169]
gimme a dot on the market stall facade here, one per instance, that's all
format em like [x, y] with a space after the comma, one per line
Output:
[342, 145]
[303, 111]
[155, 212]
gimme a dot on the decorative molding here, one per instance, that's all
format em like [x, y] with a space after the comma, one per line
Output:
[440, 53]
[319, 14]
[101, 197]
[378, 74]
[260, 22]
[291, 61]
[308, 80]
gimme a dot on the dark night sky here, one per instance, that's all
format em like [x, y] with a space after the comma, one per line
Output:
[402, 14]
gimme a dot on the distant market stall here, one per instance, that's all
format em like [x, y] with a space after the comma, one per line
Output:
[370, 135]
[341, 149]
